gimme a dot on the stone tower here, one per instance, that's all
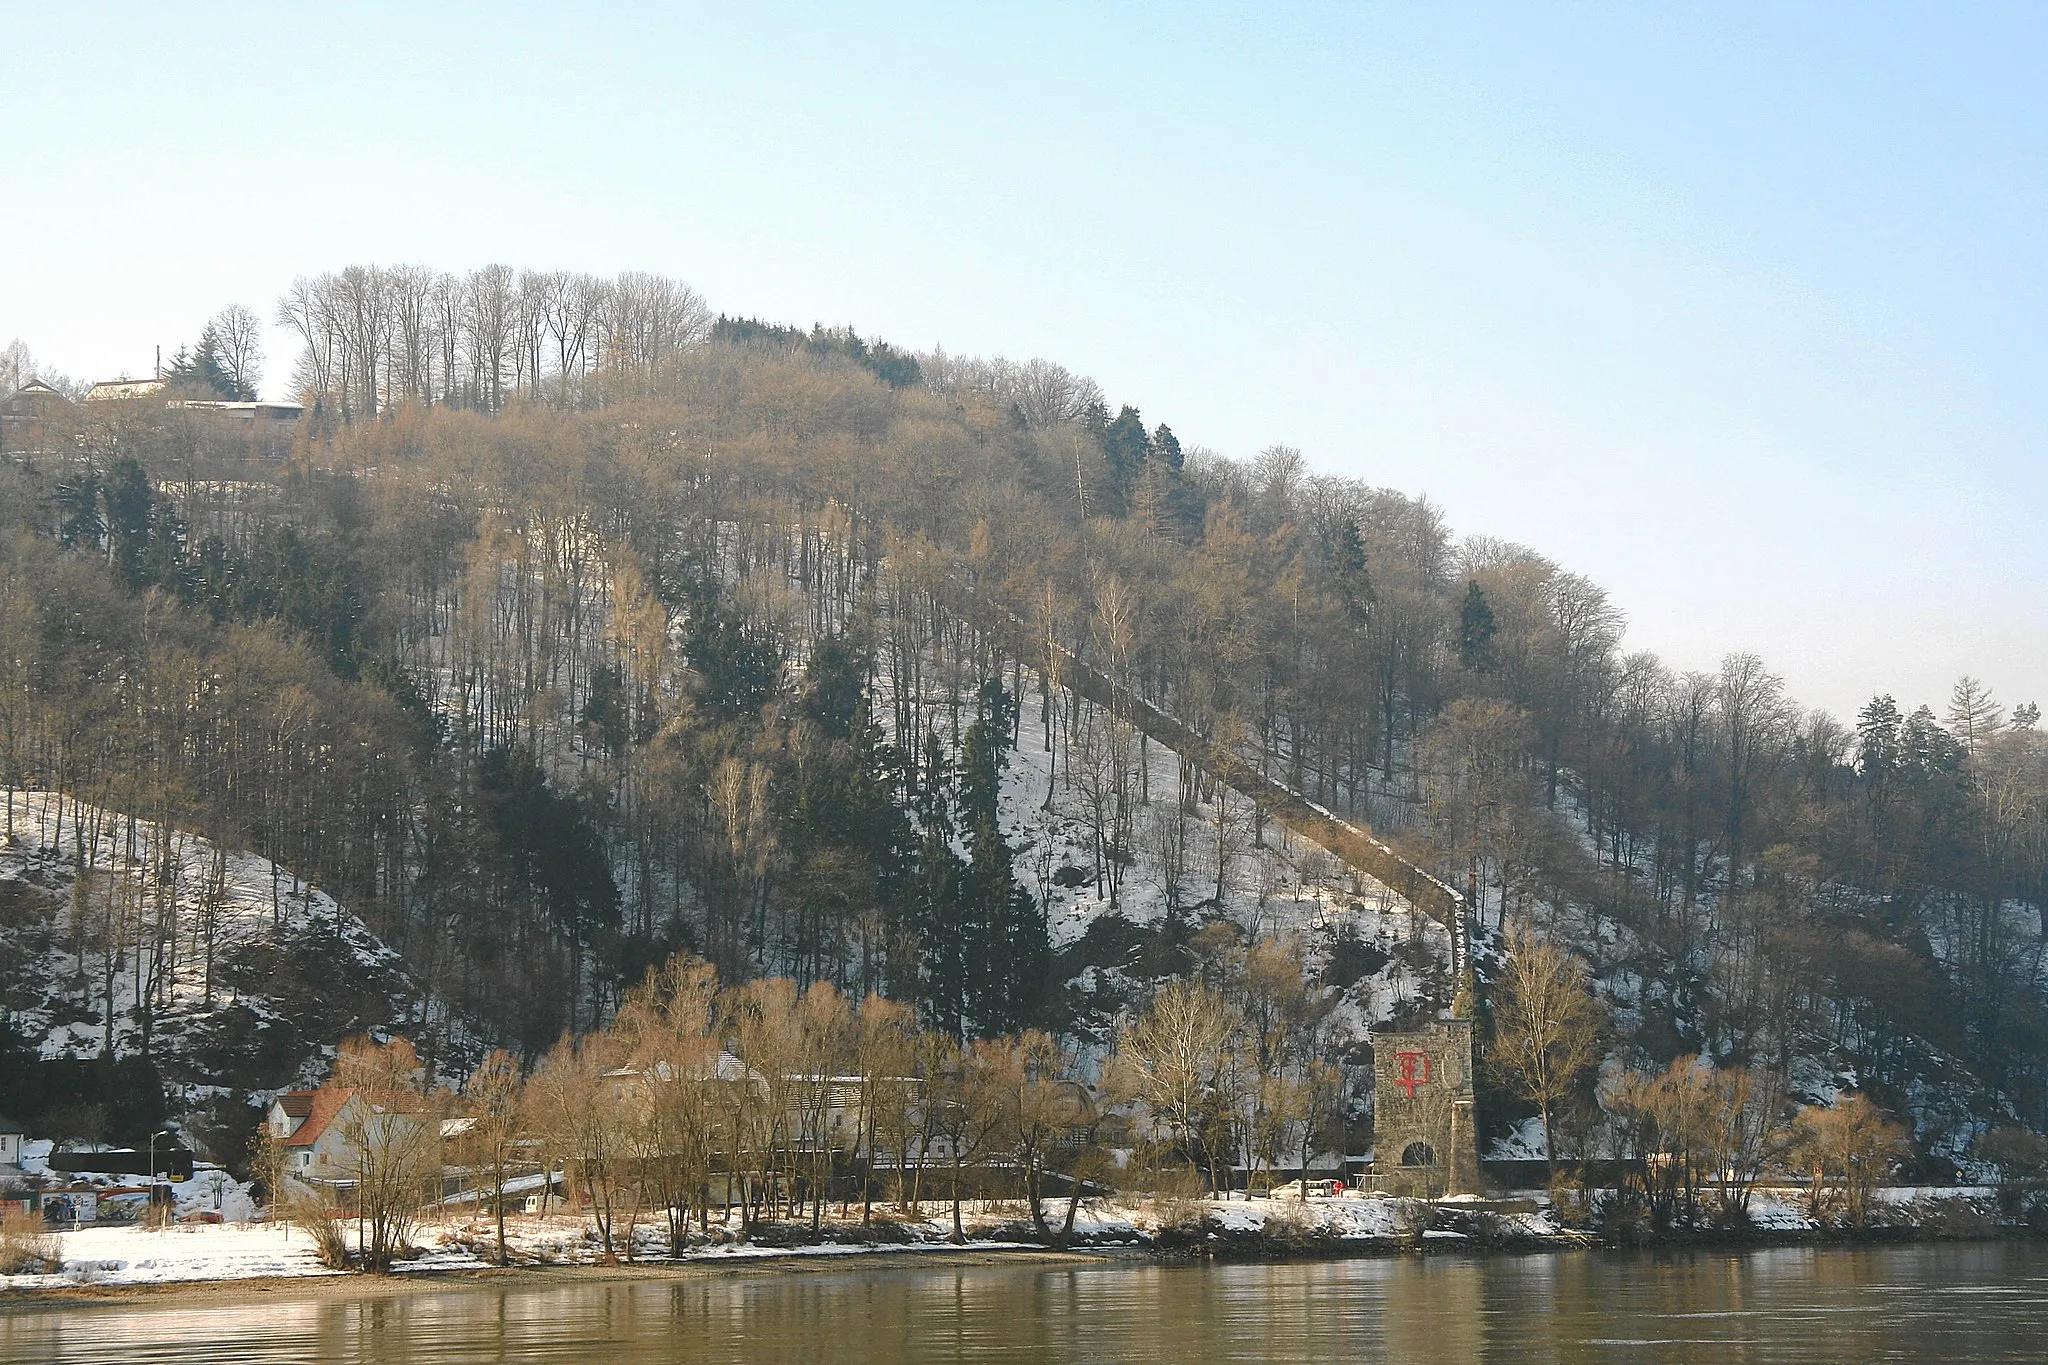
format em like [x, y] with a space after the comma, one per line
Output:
[1425, 1139]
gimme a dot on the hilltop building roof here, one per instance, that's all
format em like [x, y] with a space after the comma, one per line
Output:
[116, 390]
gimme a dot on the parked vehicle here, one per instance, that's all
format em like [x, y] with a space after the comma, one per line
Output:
[1317, 1189]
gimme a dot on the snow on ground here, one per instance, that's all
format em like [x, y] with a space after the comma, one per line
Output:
[210, 1193]
[1349, 1219]
[1275, 884]
[195, 935]
[252, 902]
[1523, 1142]
[226, 1251]
[1284, 883]
[236, 1251]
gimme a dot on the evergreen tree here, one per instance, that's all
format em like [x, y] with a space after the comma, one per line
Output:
[1475, 632]
[1878, 739]
[1348, 570]
[163, 556]
[835, 686]
[204, 367]
[1126, 446]
[77, 499]
[128, 497]
[551, 844]
[1166, 446]
[850, 840]
[740, 666]
[604, 708]
[937, 913]
[1008, 949]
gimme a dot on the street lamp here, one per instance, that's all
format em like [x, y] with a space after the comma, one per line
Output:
[159, 1133]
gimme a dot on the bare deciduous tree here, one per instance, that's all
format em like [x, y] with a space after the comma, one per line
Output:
[1547, 1025]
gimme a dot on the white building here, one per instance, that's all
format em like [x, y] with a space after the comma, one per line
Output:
[12, 1135]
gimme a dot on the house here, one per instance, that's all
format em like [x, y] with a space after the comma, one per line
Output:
[265, 428]
[12, 1135]
[261, 430]
[32, 420]
[122, 390]
[311, 1125]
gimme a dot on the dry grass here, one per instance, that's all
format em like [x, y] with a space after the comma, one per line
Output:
[1290, 1221]
[26, 1246]
[328, 1242]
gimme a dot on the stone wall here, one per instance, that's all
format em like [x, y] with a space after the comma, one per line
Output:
[1425, 1139]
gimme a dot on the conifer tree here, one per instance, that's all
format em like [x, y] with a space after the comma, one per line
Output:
[1008, 950]
[1127, 447]
[940, 930]
[1166, 447]
[1475, 632]
[1348, 567]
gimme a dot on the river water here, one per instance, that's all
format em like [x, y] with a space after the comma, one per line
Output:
[1926, 1303]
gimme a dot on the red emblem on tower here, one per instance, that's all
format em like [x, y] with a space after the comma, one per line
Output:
[1412, 1069]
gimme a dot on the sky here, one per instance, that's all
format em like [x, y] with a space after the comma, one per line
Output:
[1740, 310]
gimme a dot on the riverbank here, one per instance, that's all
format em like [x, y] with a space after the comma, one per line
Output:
[325, 1284]
[98, 1264]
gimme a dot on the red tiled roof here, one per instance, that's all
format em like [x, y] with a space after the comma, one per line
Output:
[322, 1105]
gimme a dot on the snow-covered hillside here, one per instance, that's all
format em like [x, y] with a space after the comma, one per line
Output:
[233, 976]
[1378, 955]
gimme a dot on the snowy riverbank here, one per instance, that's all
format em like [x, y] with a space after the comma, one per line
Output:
[101, 1260]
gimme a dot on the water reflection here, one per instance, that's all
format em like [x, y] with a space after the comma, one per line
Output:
[1803, 1304]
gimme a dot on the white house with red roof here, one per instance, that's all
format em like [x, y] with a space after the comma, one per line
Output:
[312, 1126]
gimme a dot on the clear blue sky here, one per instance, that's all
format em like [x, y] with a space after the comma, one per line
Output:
[1742, 310]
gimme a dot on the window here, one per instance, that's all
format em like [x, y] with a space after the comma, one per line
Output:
[1418, 1154]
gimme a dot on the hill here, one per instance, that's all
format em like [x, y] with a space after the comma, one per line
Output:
[210, 979]
[769, 645]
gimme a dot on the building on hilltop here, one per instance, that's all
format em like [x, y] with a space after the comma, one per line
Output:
[32, 421]
[267, 428]
[220, 426]
[123, 390]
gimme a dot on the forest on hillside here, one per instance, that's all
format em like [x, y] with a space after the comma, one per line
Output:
[585, 627]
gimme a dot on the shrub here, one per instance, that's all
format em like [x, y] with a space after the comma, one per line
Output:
[1850, 1146]
[1570, 1200]
[312, 1218]
[26, 1246]
[1958, 1219]
[1412, 1217]
[2021, 1159]
[1289, 1224]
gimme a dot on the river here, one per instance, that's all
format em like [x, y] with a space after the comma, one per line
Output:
[1948, 1303]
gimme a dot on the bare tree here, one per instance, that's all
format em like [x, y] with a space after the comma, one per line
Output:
[1548, 1028]
[1851, 1146]
[1173, 1057]
[390, 1127]
[238, 345]
[490, 1141]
